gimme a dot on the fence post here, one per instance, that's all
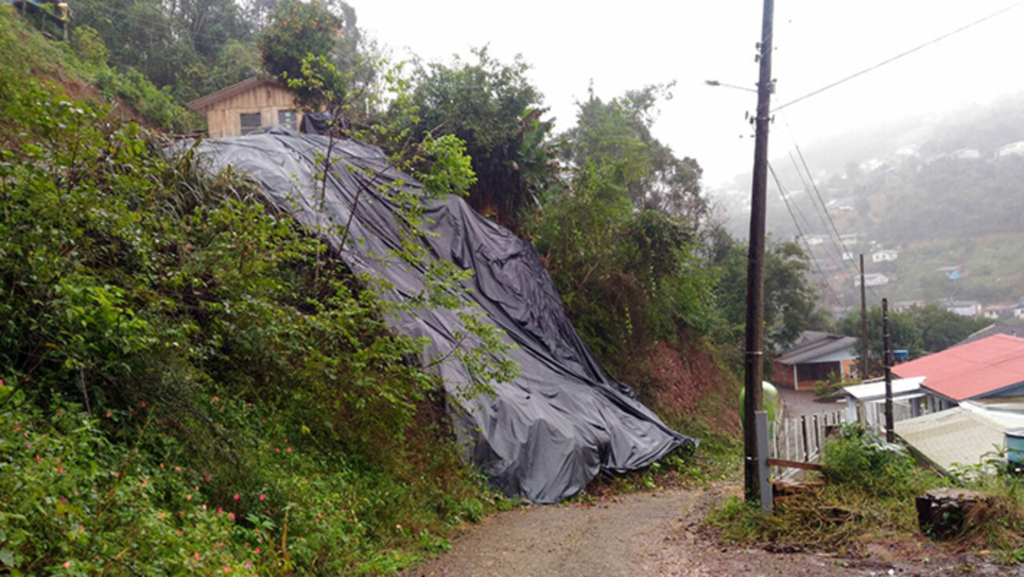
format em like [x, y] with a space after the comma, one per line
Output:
[761, 422]
[803, 433]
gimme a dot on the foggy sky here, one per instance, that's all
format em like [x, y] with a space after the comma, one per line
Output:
[625, 45]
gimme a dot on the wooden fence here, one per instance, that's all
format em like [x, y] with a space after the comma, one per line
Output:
[801, 439]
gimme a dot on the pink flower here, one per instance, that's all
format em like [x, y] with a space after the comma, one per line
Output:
[38, 458]
[108, 415]
[66, 565]
[60, 470]
[195, 556]
[220, 511]
[237, 497]
[257, 551]
[231, 516]
[248, 564]
[204, 506]
[399, 527]
[215, 399]
[227, 569]
[289, 449]
[262, 497]
[63, 501]
[188, 497]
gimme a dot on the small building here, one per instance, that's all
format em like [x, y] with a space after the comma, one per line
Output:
[865, 403]
[871, 279]
[904, 306]
[962, 308]
[246, 107]
[966, 154]
[965, 435]
[1018, 311]
[1000, 310]
[884, 256]
[816, 356]
[988, 367]
[1012, 149]
[952, 272]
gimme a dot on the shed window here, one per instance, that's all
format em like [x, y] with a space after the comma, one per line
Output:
[286, 118]
[251, 121]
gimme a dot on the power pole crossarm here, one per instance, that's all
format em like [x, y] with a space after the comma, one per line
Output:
[754, 338]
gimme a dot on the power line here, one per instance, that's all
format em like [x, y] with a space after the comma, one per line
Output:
[817, 192]
[792, 215]
[895, 58]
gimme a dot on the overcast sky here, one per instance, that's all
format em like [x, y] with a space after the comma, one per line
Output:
[626, 45]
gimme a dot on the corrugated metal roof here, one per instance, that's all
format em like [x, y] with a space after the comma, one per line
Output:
[973, 370]
[816, 345]
[961, 435]
[876, 390]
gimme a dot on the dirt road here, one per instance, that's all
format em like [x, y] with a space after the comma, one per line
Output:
[652, 533]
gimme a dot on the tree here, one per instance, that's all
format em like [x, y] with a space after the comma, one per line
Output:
[496, 111]
[298, 29]
[903, 331]
[790, 301]
[940, 328]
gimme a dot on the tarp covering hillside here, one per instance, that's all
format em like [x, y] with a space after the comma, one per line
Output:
[543, 436]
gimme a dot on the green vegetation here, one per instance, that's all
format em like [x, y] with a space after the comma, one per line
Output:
[187, 386]
[868, 494]
[920, 330]
[80, 66]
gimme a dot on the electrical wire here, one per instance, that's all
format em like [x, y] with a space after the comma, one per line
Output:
[803, 237]
[895, 58]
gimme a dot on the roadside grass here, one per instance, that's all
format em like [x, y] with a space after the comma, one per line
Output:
[868, 495]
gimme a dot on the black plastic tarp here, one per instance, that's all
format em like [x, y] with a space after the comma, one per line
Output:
[543, 436]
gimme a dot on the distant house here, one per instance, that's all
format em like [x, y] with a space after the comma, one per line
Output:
[246, 107]
[871, 279]
[966, 154]
[1018, 312]
[988, 367]
[847, 256]
[962, 308]
[903, 306]
[816, 356]
[952, 272]
[884, 256]
[1000, 310]
[1012, 149]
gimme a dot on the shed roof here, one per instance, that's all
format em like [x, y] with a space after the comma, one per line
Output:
[813, 345]
[992, 330]
[876, 390]
[961, 435]
[237, 88]
[975, 369]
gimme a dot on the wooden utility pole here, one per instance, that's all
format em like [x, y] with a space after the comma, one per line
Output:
[890, 435]
[863, 323]
[754, 355]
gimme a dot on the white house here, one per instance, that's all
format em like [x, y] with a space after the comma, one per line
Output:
[1018, 313]
[963, 308]
[1012, 149]
[884, 256]
[966, 154]
[871, 279]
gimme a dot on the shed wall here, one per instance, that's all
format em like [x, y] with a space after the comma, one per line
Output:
[223, 118]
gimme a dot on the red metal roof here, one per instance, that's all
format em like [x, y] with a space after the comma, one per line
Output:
[971, 370]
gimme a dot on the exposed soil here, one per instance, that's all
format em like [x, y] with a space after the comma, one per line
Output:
[688, 379]
[657, 533]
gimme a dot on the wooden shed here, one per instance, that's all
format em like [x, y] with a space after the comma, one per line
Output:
[247, 106]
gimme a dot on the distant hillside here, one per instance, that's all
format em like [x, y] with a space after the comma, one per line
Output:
[944, 191]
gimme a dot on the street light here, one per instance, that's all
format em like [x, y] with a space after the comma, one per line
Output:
[717, 83]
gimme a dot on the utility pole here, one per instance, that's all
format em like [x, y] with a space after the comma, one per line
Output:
[890, 435]
[863, 324]
[754, 355]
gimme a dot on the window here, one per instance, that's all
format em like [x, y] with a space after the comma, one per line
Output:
[286, 118]
[251, 122]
